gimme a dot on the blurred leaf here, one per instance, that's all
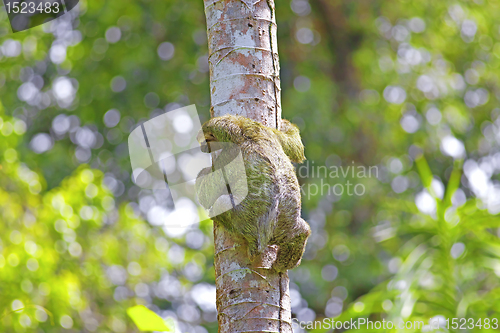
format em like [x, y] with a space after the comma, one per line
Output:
[453, 182]
[424, 171]
[147, 320]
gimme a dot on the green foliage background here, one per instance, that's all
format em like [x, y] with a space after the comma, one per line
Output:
[388, 84]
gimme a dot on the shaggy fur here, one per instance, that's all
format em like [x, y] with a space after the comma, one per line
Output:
[270, 213]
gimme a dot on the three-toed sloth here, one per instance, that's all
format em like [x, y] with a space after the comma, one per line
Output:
[269, 212]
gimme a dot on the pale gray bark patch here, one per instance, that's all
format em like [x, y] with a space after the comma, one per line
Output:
[243, 60]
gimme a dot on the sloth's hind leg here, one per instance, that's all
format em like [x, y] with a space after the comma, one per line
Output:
[292, 247]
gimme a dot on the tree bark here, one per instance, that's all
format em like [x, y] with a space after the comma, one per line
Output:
[244, 80]
[243, 59]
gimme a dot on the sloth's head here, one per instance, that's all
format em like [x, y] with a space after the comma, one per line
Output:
[220, 129]
[238, 129]
[229, 128]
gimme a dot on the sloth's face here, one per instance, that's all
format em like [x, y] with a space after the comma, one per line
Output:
[208, 143]
[213, 147]
[204, 139]
[209, 137]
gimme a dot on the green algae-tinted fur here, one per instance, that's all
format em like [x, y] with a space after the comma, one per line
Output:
[270, 213]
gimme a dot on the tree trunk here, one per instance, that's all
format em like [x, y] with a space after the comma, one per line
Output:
[244, 80]
[343, 40]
